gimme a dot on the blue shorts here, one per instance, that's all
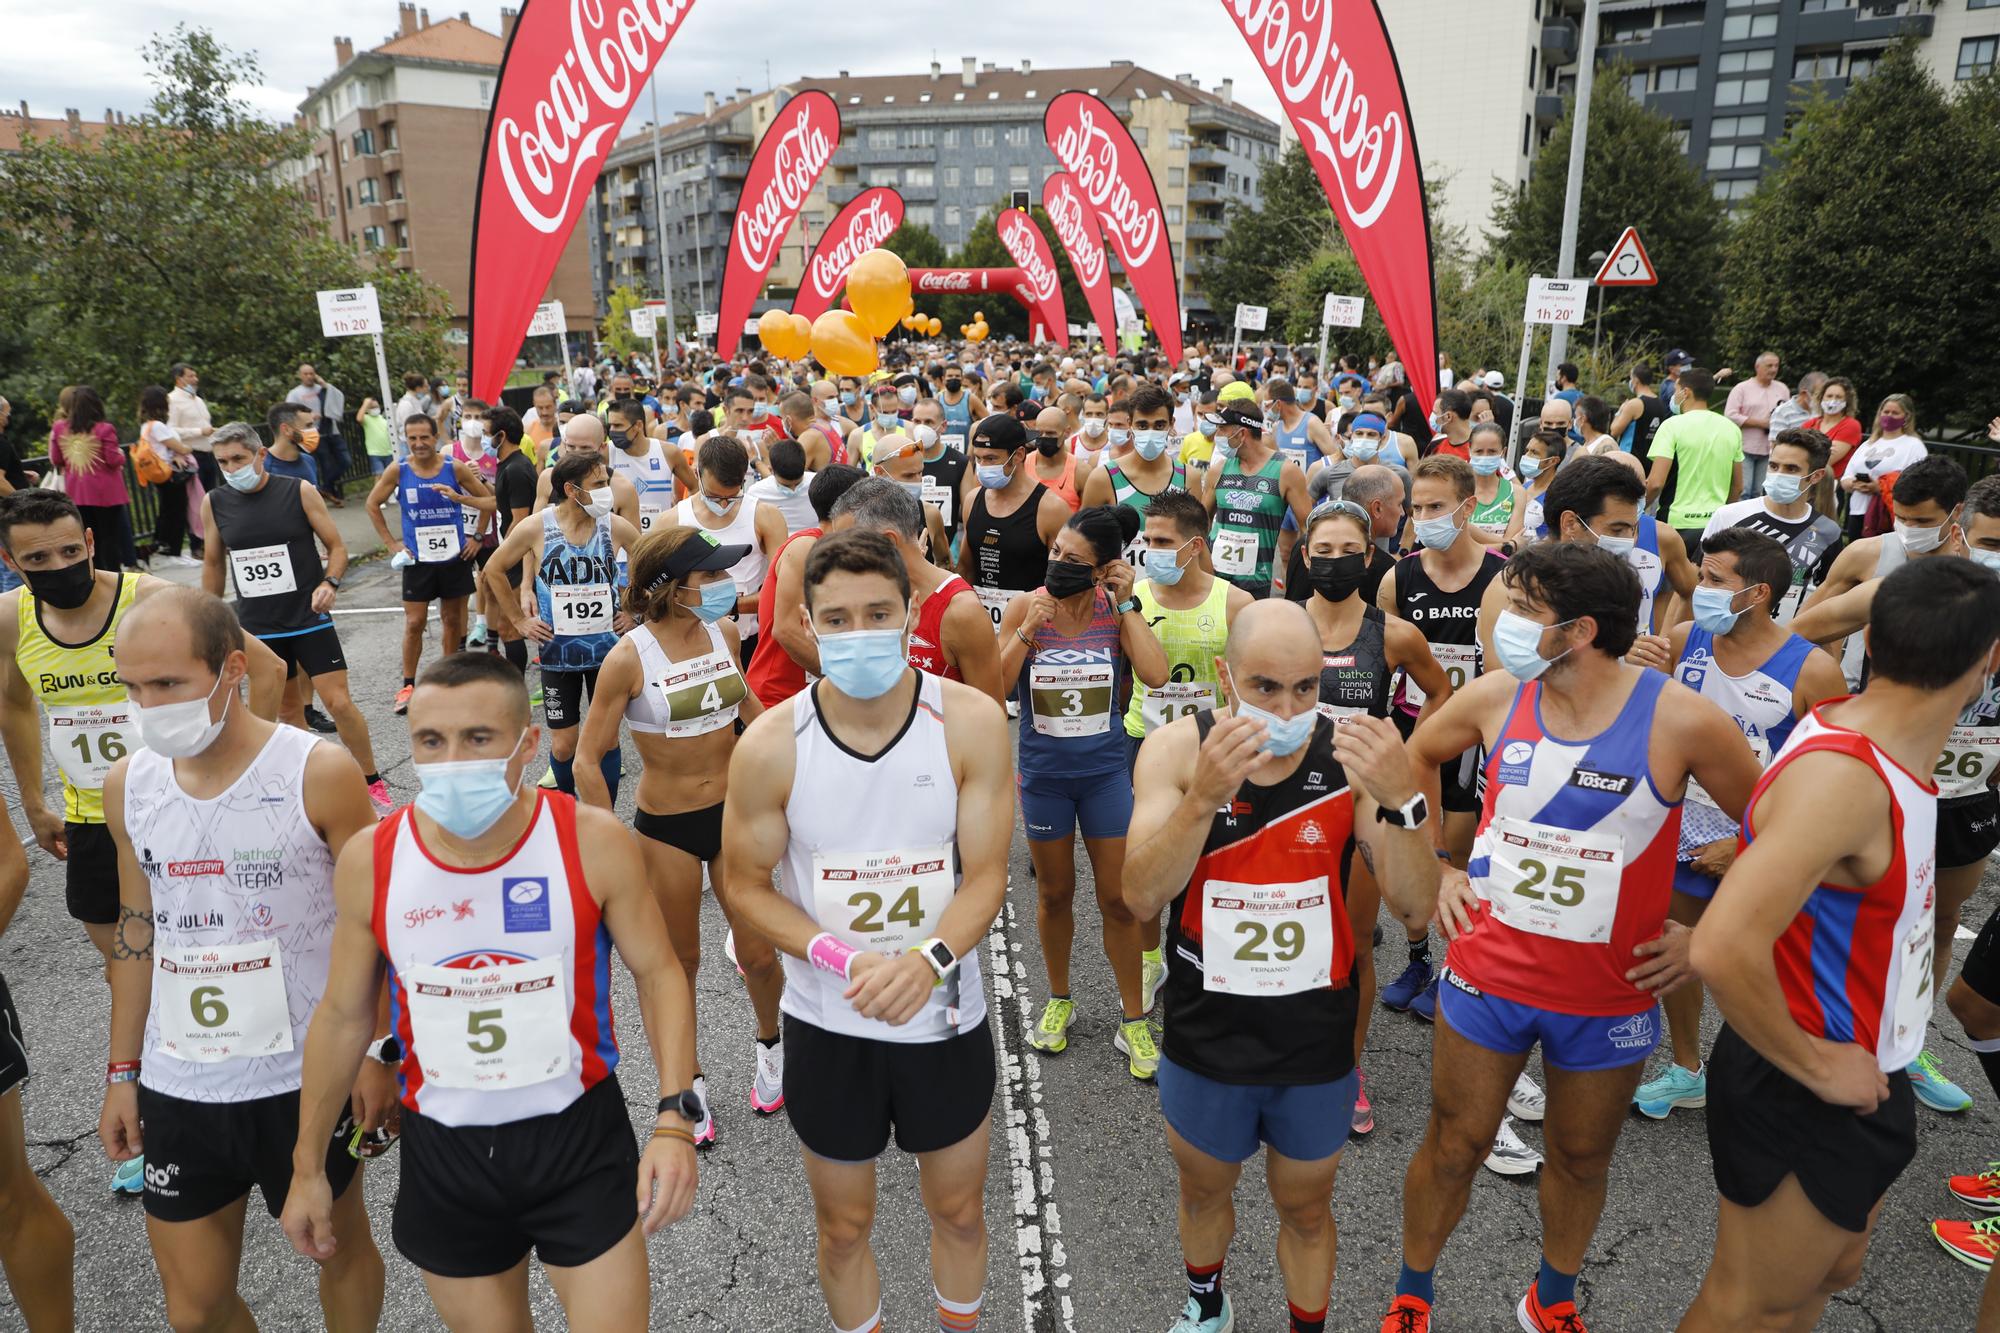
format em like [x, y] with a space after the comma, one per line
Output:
[1307, 1122]
[1579, 1043]
[1054, 808]
[1692, 882]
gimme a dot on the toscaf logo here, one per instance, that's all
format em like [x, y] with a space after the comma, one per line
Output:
[876, 213]
[1066, 213]
[1024, 242]
[552, 144]
[797, 156]
[1092, 156]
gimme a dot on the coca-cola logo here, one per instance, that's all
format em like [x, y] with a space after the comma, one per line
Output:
[1065, 210]
[544, 152]
[797, 157]
[1294, 40]
[869, 226]
[1091, 155]
[934, 281]
[1018, 234]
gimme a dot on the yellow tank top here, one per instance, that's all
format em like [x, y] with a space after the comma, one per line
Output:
[90, 723]
[1193, 639]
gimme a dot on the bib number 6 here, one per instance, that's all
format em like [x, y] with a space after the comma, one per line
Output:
[205, 1003]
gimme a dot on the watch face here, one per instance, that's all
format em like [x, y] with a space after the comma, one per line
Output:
[940, 955]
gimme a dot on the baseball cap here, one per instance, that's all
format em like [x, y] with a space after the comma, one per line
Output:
[999, 431]
[1234, 413]
[1495, 380]
[1678, 358]
[703, 552]
[1235, 390]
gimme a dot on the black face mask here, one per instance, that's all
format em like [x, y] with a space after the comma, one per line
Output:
[65, 589]
[1047, 445]
[619, 439]
[1336, 577]
[952, 386]
[1067, 578]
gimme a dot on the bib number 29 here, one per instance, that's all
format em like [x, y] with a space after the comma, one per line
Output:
[1287, 941]
[1566, 884]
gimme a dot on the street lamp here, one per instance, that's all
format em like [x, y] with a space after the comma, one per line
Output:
[1597, 259]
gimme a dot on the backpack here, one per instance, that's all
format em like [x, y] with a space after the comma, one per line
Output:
[147, 464]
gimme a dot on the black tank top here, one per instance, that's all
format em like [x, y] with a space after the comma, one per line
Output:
[1355, 679]
[1443, 617]
[1007, 552]
[270, 545]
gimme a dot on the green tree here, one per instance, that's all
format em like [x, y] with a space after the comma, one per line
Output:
[179, 237]
[1872, 249]
[616, 330]
[916, 245]
[1004, 315]
[1635, 175]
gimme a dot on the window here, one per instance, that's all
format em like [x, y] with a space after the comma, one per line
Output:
[1636, 83]
[1176, 176]
[1742, 92]
[982, 175]
[1174, 215]
[951, 138]
[368, 190]
[1676, 78]
[374, 237]
[344, 152]
[1824, 65]
[1681, 137]
[1619, 28]
[349, 191]
[923, 176]
[402, 234]
[1017, 136]
[1736, 127]
[1976, 56]
[1744, 26]
[1017, 176]
[920, 215]
[919, 136]
[1982, 4]
[951, 178]
[1821, 6]
[881, 138]
[1682, 15]
[1139, 135]
[1732, 157]
[1177, 138]
[1741, 4]
[952, 215]
[1736, 189]
[982, 136]
[1743, 62]
[1861, 64]
[879, 176]
[486, 92]
[389, 140]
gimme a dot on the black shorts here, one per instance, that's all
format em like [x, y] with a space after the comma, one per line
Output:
[1982, 961]
[1763, 1125]
[1968, 828]
[13, 1050]
[203, 1156]
[315, 652]
[562, 697]
[90, 875]
[1458, 780]
[440, 581]
[474, 1199]
[696, 832]
[843, 1094]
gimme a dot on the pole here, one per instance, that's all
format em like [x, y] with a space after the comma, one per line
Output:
[700, 259]
[1597, 334]
[1586, 61]
[1520, 389]
[562, 337]
[1235, 344]
[660, 228]
[382, 374]
[1319, 366]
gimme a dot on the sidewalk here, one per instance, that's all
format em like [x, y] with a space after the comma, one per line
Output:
[355, 530]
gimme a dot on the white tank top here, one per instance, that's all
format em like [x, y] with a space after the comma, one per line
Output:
[873, 858]
[243, 924]
[688, 698]
[499, 977]
[651, 475]
[749, 571]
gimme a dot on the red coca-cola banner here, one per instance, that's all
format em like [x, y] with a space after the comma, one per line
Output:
[858, 228]
[569, 77]
[1077, 229]
[1030, 249]
[789, 160]
[1334, 69]
[1095, 147]
[1012, 282]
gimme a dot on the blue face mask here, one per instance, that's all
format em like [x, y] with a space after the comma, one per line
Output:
[1990, 559]
[1517, 641]
[244, 480]
[1487, 465]
[1119, 435]
[1783, 487]
[863, 663]
[1150, 443]
[886, 425]
[915, 488]
[1164, 567]
[1437, 533]
[718, 601]
[1208, 429]
[718, 507]
[1529, 466]
[466, 796]
[1282, 735]
[847, 399]
[1618, 546]
[994, 477]
[1362, 450]
[1712, 610]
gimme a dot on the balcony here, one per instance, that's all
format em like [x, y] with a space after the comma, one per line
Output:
[1548, 108]
[730, 168]
[726, 132]
[1205, 192]
[1559, 41]
[1681, 42]
[391, 159]
[1199, 230]
[399, 210]
[1205, 154]
[1871, 20]
[841, 195]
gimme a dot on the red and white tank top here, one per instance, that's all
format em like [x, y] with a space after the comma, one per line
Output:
[1855, 964]
[927, 636]
[1574, 861]
[499, 976]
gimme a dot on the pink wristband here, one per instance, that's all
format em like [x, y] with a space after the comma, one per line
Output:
[830, 953]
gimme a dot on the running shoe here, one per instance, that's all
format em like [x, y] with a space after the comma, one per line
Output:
[704, 1128]
[548, 778]
[130, 1177]
[535, 699]
[1425, 1006]
[1538, 1318]
[1134, 1041]
[1051, 1034]
[1409, 1314]
[320, 722]
[1526, 1101]
[1510, 1156]
[1982, 1191]
[1152, 971]
[378, 794]
[1413, 981]
[1192, 1322]
[1933, 1089]
[729, 949]
[767, 1090]
[1013, 708]
[1364, 1113]
[403, 698]
[1675, 1087]
[1971, 1243]
[476, 636]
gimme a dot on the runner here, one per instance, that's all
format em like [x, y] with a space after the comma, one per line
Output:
[1493, 492]
[1011, 520]
[1298, 435]
[1541, 458]
[514, 481]
[651, 465]
[885, 1013]
[944, 469]
[539, 891]
[1736, 653]
[1249, 487]
[900, 459]
[571, 609]
[822, 443]
[1811, 1116]
[1557, 932]
[1149, 470]
[225, 826]
[1234, 818]
[674, 679]
[432, 549]
[778, 668]
[961, 406]
[1784, 511]
[585, 434]
[724, 469]
[262, 532]
[1061, 470]
[1066, 647]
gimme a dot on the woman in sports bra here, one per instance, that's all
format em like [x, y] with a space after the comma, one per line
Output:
[674, 680]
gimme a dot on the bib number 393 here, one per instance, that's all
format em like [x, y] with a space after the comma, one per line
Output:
[263, 571]
[883, 901]
[1555, 882]
[1267, 939]
[226, 1002]
[490, 1028]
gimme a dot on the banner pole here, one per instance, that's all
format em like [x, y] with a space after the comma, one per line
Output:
[562, 337]
[382, 375]
[1579, 142]
[1520, 387]
[1235, 343]
[1319, 366]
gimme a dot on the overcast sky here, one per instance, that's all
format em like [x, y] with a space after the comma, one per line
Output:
[87, 55]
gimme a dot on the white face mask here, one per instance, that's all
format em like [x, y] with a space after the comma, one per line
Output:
[1920, 541]
[599, 503]
[924, 435]
[182, 730]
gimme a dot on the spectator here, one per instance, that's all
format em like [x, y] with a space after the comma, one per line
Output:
[188, 415]
[1566, 389]
[293, 441]
[375, 440]
[1893, 447]
[1705, 450]
[1503, 406]
[1838, 420]
[1676, 362]
[415, 402]
[84, 448]
[13, 477]
[1750, 406]
[170, 523]
[1593, 423]
[1798, 409]
[328, 406]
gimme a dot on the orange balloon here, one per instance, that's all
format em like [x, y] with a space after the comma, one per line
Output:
[935, 326]
[878, 286]
[978, 332]
[979, 317]
[801, 337]
[774, 331]
[842, 344]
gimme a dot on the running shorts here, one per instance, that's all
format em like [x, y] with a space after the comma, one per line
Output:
[696, 832]
[1982, 961]
[844, 1094]
[1692, 882]
[1307, 1122]
[1580, 1043]
[1459, 780]
[90, 875]
[1054, 808]
[13, 1050]
[316, 652]
[438, 581]
[203, 1156]
[1968, 828]
[562, 696]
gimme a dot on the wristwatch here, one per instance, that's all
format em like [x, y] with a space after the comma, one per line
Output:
[683, 1104]
[388, 1050]
[331, 582]
[1411, 814]
[939, 955]
[1129, 604]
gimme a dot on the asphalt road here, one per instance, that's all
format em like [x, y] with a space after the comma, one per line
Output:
[1080, 1198]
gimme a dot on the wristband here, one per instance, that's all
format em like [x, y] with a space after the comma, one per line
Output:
[829, 953]
[672, 1132]
[121, 1071]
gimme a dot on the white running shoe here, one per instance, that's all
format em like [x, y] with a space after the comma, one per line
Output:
[1527, 1101]
[704, 1129]
[1510, 1156]
[1151, 974]
[767, 1090]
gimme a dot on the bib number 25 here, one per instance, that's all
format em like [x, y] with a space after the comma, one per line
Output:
[1564, 888]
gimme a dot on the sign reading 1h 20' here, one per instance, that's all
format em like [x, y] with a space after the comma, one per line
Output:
[347, 311]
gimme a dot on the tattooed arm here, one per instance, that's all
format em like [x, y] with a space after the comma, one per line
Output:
[130, 971]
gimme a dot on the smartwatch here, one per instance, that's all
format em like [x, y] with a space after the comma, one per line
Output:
[388, 1050]
[1129, 604]
[683, 1104]
[331, 582]
[939, 955]
[1411, 814]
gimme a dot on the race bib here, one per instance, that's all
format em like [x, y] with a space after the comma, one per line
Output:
[1968, 761]
[225, 1002]
[1758, 746]
[87, 739]
[1070, 699]
[1266, 939]
[649, 513]
[1176, 698]
[1235, 552]
[1555, 882]
[1913, 986]
[438, 543]
[954, 440]
[1460, 662]
[263, 571]
[995, 601]
[1339, 711]
[489, 1028]
[1295, 455]
[580, 609]
[939, 497]
[883, 901]
[701, 695]
[470, 517]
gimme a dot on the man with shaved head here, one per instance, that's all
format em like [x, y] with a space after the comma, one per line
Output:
[587, 434]
[1246, 820]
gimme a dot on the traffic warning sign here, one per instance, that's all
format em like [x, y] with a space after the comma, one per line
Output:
[1627, 265]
